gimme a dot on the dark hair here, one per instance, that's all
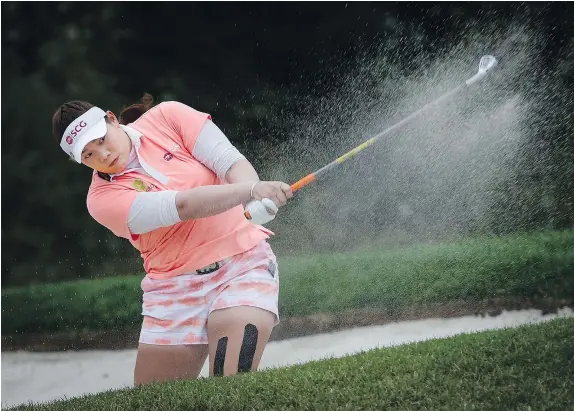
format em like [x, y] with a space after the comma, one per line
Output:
[132, 113]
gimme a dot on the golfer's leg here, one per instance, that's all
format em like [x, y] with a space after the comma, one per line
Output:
[156, 363]
[237, 337]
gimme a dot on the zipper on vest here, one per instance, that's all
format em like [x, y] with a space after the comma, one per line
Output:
[147, 168]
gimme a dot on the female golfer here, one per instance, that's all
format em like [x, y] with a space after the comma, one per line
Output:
[169, 181]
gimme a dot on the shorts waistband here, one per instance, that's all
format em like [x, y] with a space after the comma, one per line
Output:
[208, 269]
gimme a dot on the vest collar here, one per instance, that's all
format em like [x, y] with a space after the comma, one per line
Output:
[135, 136]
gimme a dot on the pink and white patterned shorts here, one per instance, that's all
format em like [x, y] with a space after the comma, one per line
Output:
[175, 310]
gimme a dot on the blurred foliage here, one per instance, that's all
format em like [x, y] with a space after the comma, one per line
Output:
[533, 266]
[258, 69]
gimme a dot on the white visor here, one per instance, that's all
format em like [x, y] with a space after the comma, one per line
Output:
[89, 126]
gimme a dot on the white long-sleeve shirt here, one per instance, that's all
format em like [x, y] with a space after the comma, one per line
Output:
[155, 209]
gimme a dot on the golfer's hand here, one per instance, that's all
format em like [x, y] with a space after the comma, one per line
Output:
[276, 191]
[261, 211]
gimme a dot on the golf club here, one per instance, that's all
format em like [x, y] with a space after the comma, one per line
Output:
[486, 64]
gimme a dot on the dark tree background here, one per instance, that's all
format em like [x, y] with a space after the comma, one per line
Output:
[253, 66]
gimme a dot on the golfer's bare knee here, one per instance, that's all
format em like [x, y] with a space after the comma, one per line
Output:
[237, 338]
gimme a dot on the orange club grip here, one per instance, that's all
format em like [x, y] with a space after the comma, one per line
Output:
[303, 182]
[296, 186]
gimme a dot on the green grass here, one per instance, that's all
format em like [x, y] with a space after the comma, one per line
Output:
[526, 368]
[534, 265]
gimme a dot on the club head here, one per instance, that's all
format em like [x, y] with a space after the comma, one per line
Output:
[486, 63]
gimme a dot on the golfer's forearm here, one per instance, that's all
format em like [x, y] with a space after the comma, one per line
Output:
[241, 171]
[205, 201]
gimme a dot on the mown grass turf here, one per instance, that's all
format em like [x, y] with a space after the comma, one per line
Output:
[533, 265]
[527, 368]
[538, 264]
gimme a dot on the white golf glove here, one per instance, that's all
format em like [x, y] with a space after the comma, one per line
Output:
[261, 211]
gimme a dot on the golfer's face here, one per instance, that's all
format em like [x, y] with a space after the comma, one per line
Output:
[110, 153]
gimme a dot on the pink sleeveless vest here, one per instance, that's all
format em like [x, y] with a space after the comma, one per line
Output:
[164, 138]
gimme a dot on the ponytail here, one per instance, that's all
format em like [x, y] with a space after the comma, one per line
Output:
[132, 113]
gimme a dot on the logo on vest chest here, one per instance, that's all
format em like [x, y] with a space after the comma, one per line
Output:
[139, 185]
[168, 154]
